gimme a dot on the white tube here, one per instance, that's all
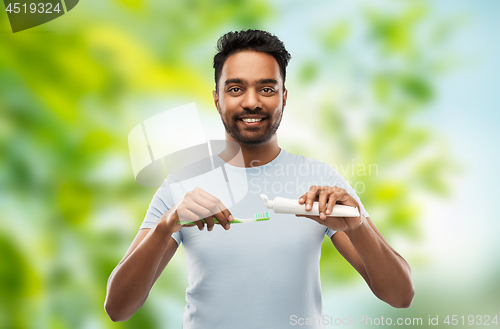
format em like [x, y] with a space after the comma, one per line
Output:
[292, 206]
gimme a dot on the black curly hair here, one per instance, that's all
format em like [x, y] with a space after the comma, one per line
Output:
[257, 40]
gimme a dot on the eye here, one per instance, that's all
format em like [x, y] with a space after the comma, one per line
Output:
[268, 90]
[234, 89]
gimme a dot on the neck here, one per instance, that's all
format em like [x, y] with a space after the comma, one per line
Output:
[253, 156]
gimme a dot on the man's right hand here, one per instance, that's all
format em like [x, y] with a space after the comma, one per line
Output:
[195, 206]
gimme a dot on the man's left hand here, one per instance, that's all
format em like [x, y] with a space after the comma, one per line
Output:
[327, 197]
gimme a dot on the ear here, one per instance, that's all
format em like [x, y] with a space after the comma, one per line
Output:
[285, 94]
[216, 99]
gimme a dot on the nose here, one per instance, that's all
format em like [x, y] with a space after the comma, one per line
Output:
[251, 100]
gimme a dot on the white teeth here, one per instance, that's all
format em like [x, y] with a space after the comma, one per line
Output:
[251, 120]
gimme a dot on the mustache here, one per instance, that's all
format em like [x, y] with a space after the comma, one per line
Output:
[249, 112]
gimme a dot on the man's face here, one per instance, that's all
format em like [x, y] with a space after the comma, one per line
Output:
[250, 98]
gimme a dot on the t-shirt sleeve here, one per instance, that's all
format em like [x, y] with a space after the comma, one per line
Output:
[161, 202]
[339, 181]
[329, 232]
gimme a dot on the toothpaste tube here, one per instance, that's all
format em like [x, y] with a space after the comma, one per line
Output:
[292, 206]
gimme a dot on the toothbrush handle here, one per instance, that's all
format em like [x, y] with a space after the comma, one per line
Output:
[203, 220]
[192, 223]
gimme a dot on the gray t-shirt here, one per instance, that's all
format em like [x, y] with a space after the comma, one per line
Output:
[255, 275]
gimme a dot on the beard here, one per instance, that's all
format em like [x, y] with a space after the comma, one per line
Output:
[251, 138]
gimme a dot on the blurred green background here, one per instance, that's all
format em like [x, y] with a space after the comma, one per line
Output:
[399, 96]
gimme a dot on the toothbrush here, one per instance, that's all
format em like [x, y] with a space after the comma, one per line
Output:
[291, 206]
[258, 217]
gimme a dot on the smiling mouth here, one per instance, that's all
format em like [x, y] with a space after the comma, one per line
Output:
[250, 120]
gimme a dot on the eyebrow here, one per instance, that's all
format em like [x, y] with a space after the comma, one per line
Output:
[235, 80]
[259, 82]
[267, 81]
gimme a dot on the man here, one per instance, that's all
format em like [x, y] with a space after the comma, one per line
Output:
[263, 274]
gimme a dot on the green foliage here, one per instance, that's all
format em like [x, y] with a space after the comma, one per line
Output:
[18, 282]
[71, 208]
[70, 195]
[394, 30]
[308, 72]
[409, 163]
[335, 35]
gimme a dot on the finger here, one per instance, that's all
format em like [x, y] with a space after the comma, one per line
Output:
[228, 215]
[221, 213]
[331, 203]
[311, 196]
[207, 206]
[340, 197]
[224, 216]
[217, 207]
[187, 215]
[302, 198]
[203, 204]
[222, 219]
[200, 224]
[201, 210]
[210, 223]
[334, 198]
[322, 199]
[195, 213]
[343, 196]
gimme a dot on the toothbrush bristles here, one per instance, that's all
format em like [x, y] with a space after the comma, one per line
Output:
[262, 216]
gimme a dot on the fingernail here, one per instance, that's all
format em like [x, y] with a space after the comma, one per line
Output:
[328, 211]
[308, 206]
[227, 226]
[301, 199]
[210, 228]
[322, 215]
[231, 218]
